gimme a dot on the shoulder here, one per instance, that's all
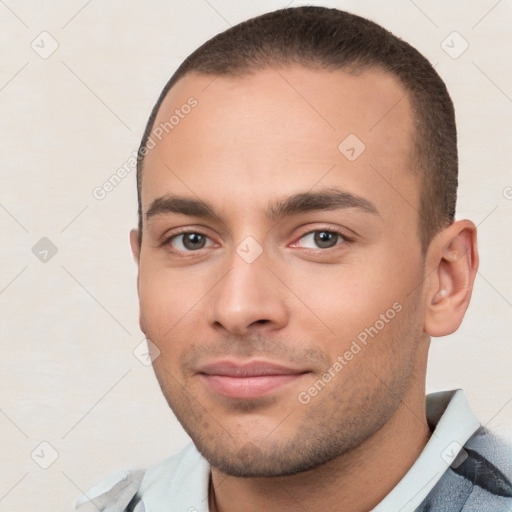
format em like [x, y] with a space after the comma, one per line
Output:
[479, 478]
[487, 462]
[119, 489]
[165, 480]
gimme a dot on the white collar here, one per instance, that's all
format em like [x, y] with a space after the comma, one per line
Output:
[454, 424]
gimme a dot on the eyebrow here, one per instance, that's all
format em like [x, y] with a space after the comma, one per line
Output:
[328, 199]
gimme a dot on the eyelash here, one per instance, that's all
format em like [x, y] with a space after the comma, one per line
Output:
[182, 231]
[344, 239]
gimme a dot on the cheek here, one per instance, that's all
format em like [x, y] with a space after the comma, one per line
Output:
[360, 300]
[341, 302]
[169, 323]
[165, 311]
[166, 297]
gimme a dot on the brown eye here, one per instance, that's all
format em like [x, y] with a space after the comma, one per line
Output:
[191, 241]
[325, 239]
[194, 241]
[321, 239]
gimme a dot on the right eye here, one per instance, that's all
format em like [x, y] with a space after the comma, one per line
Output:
[189, 241]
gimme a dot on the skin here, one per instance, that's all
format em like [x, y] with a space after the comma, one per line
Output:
[252, 141]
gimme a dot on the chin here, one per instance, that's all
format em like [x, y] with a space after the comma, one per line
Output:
[250, 461]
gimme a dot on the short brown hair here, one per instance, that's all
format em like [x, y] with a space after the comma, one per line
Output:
[324, 38]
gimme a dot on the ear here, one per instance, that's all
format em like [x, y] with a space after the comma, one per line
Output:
[452, 262]
[135, 244]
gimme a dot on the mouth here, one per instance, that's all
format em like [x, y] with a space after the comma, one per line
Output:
[249, 380]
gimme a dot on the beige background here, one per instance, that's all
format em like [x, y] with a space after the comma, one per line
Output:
[68, 374]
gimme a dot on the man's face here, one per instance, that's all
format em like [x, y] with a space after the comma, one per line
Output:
[253, 300]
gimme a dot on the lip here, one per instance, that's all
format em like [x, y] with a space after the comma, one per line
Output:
[248, 380]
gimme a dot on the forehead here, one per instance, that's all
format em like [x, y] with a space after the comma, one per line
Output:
[283, 129]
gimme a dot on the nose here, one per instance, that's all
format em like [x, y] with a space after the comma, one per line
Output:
[248, 298]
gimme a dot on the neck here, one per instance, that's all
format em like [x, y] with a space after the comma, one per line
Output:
[357, 481]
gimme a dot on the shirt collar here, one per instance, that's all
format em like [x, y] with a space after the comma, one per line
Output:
[454, 422]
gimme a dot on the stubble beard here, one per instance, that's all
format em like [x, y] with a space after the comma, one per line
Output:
[327, 431]
[341, 418]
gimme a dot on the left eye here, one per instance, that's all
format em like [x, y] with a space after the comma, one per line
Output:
[322, 239]
[191, 241]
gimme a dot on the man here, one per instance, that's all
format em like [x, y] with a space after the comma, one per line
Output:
[297, 250]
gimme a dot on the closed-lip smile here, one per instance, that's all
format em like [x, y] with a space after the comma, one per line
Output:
[247, 380]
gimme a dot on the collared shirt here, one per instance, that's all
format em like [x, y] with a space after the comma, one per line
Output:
[462, 468]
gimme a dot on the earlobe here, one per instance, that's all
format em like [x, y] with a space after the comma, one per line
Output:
[452, 262]
[135, 245]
